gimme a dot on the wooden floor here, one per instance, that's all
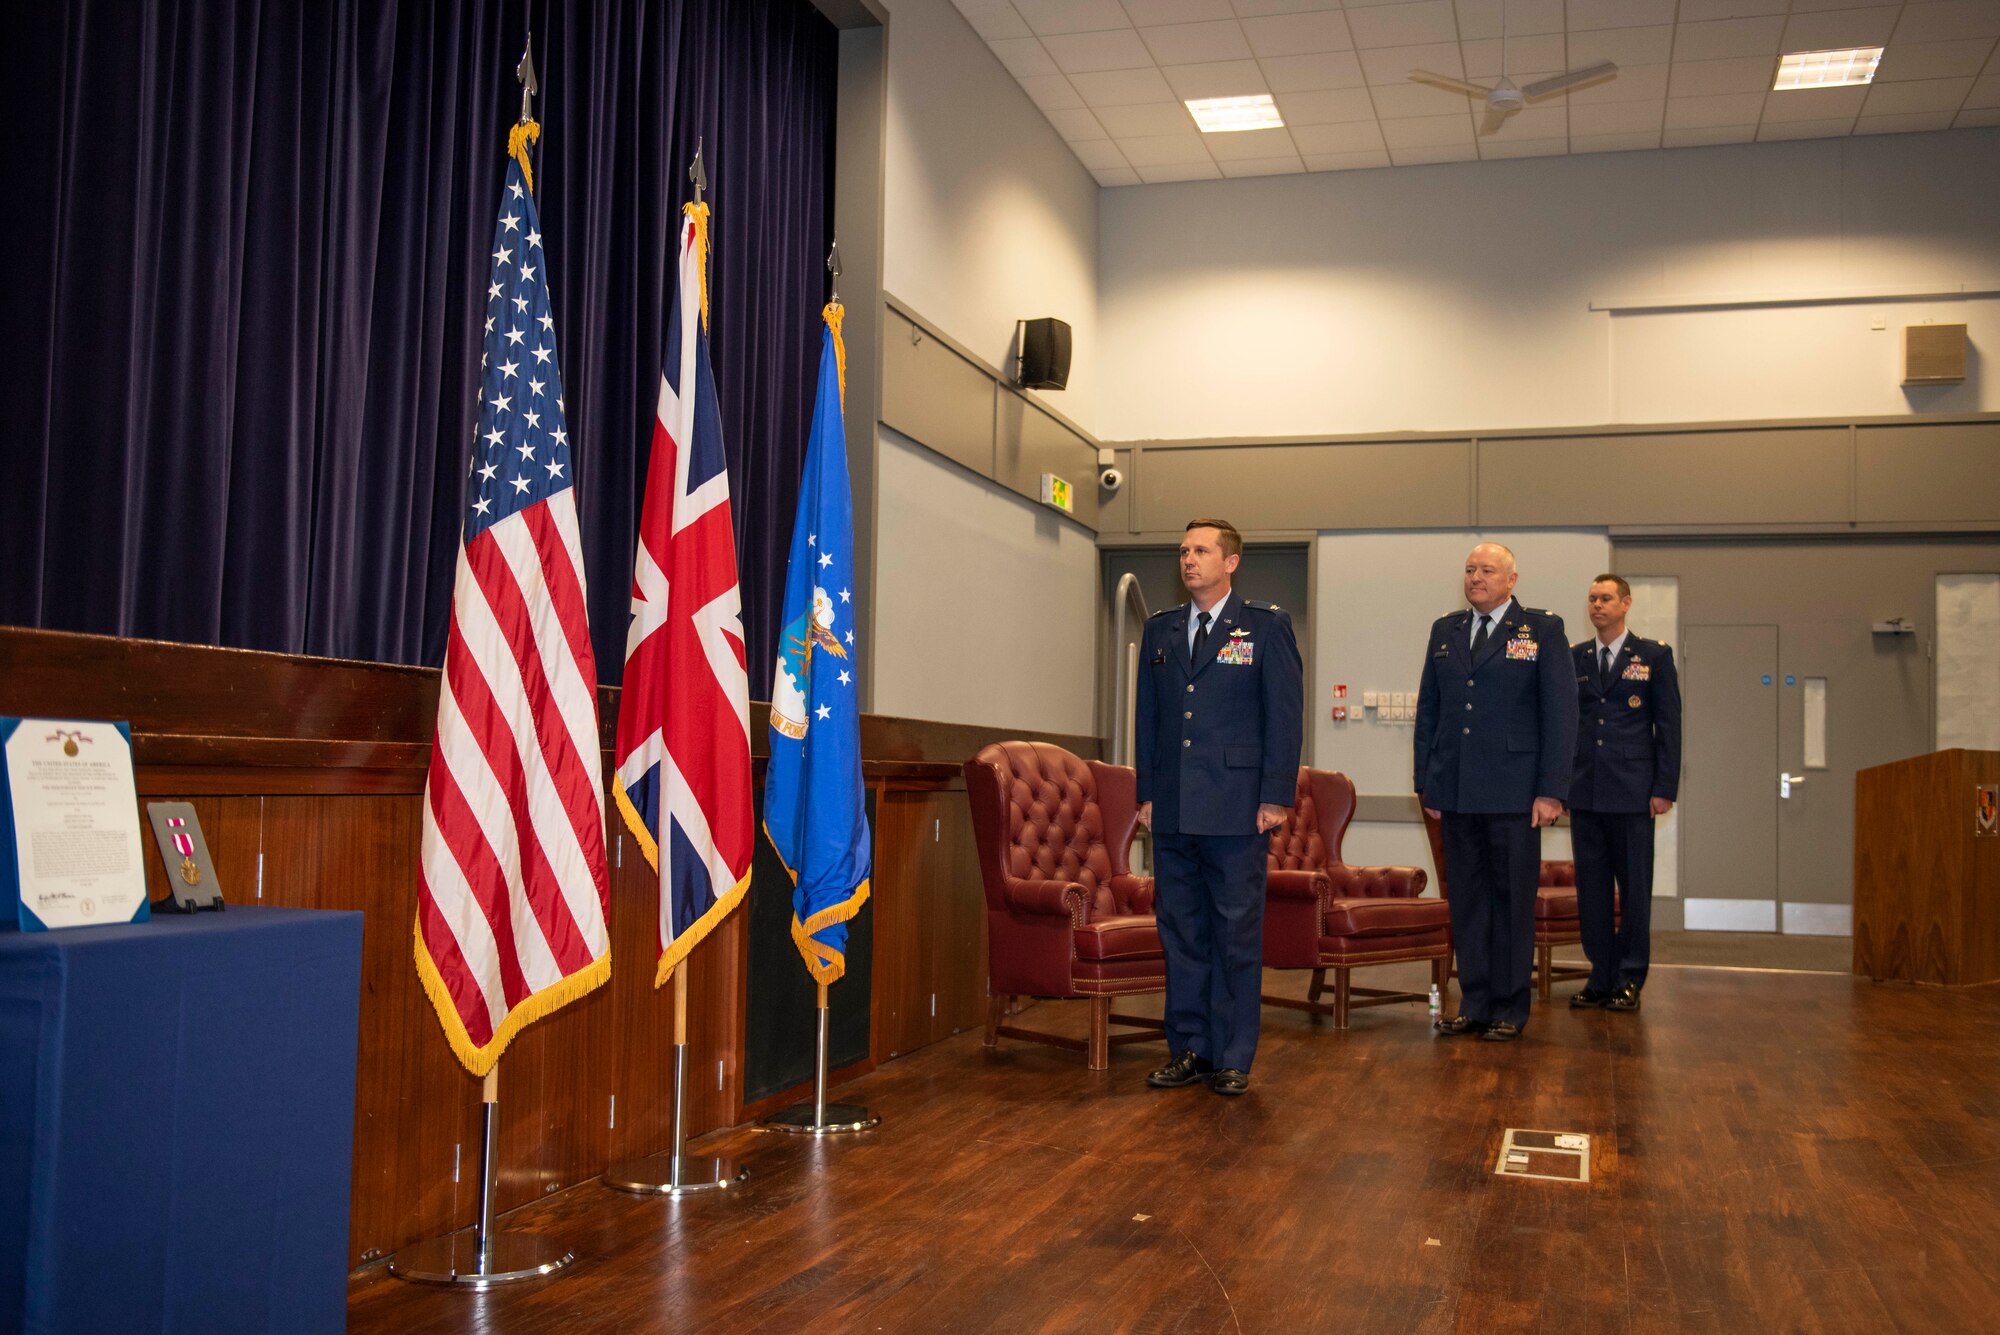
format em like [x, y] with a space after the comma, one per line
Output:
[1773, 1152]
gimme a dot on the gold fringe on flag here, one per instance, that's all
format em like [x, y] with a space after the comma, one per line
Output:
[834, 313]
[518, 139]
[698, 213]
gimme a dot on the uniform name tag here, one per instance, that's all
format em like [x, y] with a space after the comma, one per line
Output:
[1638, 672]
[1524, 651]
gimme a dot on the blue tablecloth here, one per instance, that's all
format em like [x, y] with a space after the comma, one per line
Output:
[177, 1123]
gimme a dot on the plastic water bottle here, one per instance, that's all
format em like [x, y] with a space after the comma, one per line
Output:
[1437, 1006]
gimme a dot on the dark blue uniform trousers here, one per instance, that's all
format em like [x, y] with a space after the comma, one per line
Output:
[1493, 866]
[1614, 846]
[1209, 899]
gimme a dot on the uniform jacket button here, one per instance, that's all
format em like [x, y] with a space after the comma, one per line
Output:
[1186, 742]
[1466, 731]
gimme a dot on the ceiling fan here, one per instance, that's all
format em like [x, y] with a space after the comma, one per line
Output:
[1503, 99]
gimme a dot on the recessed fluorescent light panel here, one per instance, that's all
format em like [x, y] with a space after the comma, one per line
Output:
[1219, 115]
[1827, 69]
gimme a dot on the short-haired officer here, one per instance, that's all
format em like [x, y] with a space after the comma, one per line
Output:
[1221, 719]
[1628, 771]
[1496, 736]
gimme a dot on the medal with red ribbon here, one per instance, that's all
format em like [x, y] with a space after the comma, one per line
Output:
[184, 845]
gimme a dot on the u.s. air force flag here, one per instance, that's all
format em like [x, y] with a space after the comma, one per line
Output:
[812, 796]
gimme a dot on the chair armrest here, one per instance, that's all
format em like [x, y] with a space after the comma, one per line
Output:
[1134, 890]
[1053, 899]
[1376, 882]
[1294, 884]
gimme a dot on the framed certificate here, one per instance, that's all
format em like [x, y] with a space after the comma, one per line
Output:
[71, 854]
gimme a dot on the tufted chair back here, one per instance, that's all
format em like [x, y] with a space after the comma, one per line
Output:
[1037, 816]
[1311, 836]
[1558, 873]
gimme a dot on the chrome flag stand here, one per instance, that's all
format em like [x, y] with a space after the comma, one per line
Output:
[683, 1176]
[820, 1118]
[482, 1258]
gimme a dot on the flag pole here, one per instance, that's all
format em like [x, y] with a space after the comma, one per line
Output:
[817, 1117]
[684, 1175]
[487, 1255]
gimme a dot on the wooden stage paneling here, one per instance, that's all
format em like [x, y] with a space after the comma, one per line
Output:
[308, 776]
[1774, 1152]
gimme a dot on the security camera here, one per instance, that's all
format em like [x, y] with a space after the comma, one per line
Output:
[1111, 479]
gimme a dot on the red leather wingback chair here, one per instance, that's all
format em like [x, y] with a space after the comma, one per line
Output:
[1556, 920]
[1321, 914]
[1061, 921]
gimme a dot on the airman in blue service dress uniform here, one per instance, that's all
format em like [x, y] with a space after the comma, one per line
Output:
[1221, 719]
[1628, 770]
[1495, 744]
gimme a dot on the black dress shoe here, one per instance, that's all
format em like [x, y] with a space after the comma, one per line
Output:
[1230, 1081]
[1589, 999]
[1186, 1069]
[1626, 998]
[1458, 1025]
[1501, 1032]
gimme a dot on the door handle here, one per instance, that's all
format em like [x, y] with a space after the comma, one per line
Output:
[1785, 782]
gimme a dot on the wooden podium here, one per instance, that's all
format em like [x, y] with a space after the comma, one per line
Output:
[1926, 883]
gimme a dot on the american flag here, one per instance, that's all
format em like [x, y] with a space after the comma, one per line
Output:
[513, 904]
[683, 750]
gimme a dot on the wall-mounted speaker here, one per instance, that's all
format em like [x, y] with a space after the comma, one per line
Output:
[1044, 354]
[1933, 354]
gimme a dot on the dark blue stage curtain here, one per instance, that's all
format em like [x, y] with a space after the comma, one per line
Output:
[246, 290]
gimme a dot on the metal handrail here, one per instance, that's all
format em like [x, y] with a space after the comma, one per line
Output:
[1124, 746]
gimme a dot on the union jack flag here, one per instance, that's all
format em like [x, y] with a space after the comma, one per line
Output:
[683, 757]
[512, 905]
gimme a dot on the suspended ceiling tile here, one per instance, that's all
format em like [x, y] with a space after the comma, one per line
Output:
[1147, 13]
[1392, 64]
[1545, 122]
[1495, 148]
[1635, 83]
[1830, 129]
[1047, 17]
[1726, 38]
[1985, 92]
[1623, 46]
[1909, 123]
[1814, 104]
[1975, 117]
[1480, 19]
[1299, 34]
[1089, 52]
[1697, 11]
[1398, 101]
[1613, 143]
[1304, 74]
[1890, 99]
[1427, 132]
[1588, 14]
[1353, 137]
[1420, 157]
[1099, 155]
[1196, 43]
[1024, 57]
[1164, 150]
[1948, 20]
[1117, 88]
[1221, 78]
[1116, 176]
[1729, 109]
[1146, 118]
[1486, 59]
[1244, 145]
[1706, 78]
[1934, 60]
[1347, 162]
[1614, 118]
[1326, 106]
[1179, 171]
[1701, 136]
[1052, 92]
[993, 19]
[1291, 166]
[1403, 25]
[1077, 124]
[1836, 29]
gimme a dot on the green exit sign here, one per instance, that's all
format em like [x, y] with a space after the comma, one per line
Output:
[1057, 492]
